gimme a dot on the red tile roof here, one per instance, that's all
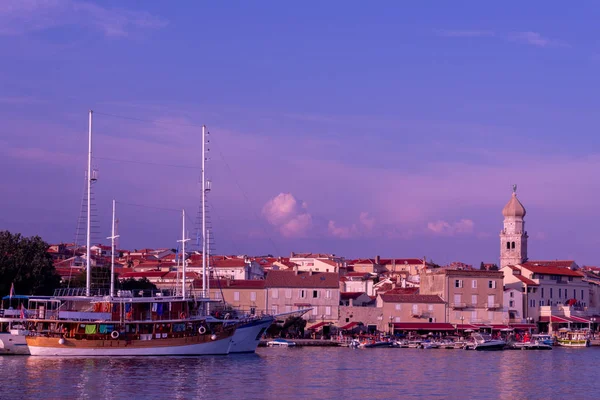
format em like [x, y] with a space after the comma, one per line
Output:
[350, 295]
[552, 270]
[289, 279]
[244, 284]
[550, 263]
[526, 281]
[147, 274]
[229, 263]
[412, 290]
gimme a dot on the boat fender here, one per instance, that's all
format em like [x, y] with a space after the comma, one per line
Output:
[182, 315]
[214, 337]
[114, 334]
[61, 341]
[202, 330]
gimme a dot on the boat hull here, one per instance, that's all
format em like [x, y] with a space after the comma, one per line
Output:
[186, 346]
[573, 343]
[490, 347]
[13, 344]
[247, 336]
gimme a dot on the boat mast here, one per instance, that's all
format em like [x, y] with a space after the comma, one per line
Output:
[88, 274]
[183, 261]
[112, 252]
[208, 264]
[203, 212]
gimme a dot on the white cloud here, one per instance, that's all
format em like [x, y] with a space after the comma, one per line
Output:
[441, 227]
[367, 221]
[535, 39]
[289, 216]
[22, 16]
[342, 232]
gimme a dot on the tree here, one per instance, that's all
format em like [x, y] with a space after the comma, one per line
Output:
[137, 284]
[26, 262]
[481, 266]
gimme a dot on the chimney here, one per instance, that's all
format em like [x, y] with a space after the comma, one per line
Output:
[403, 283]
[296, 269]
[377, 259]
[310, 272]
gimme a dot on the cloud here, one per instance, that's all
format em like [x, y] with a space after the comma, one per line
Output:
[444, 228]
[289, 216]
[19, 17]
[463, 33]
[535, 39]
[367, 221]
[342, 232]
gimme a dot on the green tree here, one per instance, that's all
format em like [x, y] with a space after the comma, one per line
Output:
[137, 284]
[26, 262]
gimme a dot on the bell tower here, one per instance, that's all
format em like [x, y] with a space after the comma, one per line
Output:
[513, 238]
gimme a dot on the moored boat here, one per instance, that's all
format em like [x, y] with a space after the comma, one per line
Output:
[573, 339]
[483, 342]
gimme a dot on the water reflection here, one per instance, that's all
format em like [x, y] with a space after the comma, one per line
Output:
[308, 373]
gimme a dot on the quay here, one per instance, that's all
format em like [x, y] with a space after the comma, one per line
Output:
[307, 343]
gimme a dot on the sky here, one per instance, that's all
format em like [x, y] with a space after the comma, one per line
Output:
[342, 127]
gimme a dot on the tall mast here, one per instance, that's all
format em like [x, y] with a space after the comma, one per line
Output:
[88, 273]
[112, 252]
[208, 265]
[203, 212]
[183, 240]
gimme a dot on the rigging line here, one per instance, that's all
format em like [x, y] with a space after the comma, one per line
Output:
[147, 206]
[249, 203]
[147, 163]
[147, 120]
[229, 236]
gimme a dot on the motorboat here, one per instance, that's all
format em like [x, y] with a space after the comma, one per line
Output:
[484, 342]
[533, 345]
[429, 345]
[573, 339]
[279, 342]
[543, 338]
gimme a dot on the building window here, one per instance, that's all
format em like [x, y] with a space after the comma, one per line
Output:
[415, 309]
[288, 308]
[570, 279]
[551, 292]
[397, 307]
[473, 316]
[581, 294]
[315, 294]
[574, 293]
[512, 294]
[513, 245]
[490, 316]
[327, 310]
[275, 293]
[397, 319]
[474, 299]
[474, 284]
[541, 303]
[275, 309]
[508, 245]
[236, 296]
[492, 284]
[315, 310]
[559, 293]
[252, 296]
[328, 294]
[458, 315]
[511, 303]
[430, 307]
[457, 299]
[301, 293]
[288, 293]
[458, 283]
[542, 289]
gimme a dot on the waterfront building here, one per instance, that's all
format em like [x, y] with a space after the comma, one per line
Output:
[474, 297]
[288, 291]
[357, 282]
[247, 296]
[391, 266]
[317, 262]
[356, 299]
[401, 310]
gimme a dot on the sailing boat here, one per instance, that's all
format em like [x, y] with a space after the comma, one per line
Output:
[251, 328]
[126, 324]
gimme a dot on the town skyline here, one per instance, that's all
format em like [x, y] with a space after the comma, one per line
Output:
[325, 138]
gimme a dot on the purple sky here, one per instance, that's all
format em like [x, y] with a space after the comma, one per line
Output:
[344, 128]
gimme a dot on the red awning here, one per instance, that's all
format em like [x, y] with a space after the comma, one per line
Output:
[556, 319]
[580, 319]
[424, 326]
[523, 326]
[350, 325]
[317, 326]
[461, 327]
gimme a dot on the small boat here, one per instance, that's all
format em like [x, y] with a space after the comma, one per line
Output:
[376, 344]
[573, 339]
[13, 342]
[429, 345]
[484, 342]
[279, 342]
[533, 345]
[543, 338]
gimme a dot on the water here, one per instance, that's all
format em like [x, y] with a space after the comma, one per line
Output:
[324, 373]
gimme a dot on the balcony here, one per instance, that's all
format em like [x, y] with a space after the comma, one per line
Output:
[494, 306]
[458, 305]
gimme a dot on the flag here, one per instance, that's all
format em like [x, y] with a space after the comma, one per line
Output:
[22, 311]
[12, 291]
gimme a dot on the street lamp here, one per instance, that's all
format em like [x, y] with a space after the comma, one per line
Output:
[322, 326]
[529, 321]
[390, 325]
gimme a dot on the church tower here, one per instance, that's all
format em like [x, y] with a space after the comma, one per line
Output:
[513, 238]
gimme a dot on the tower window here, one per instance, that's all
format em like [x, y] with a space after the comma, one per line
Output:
[513, 245]
[508, 245]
